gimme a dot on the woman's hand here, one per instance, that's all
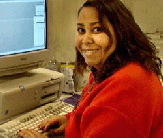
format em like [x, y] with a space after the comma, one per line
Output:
[61, 120]
[45, 125]
[29, 133]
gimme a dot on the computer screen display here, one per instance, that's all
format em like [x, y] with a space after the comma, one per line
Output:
[22, 26]
[24, 39]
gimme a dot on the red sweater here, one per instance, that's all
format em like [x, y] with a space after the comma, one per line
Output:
[129, 104]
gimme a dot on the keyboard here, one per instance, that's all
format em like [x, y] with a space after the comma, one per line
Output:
[32, 119]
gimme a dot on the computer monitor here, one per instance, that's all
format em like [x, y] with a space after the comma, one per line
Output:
[23, 35]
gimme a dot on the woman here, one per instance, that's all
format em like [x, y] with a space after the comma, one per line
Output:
[123, 97]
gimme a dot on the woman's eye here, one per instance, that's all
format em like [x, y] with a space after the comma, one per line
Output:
[81, 30]
[97, 29]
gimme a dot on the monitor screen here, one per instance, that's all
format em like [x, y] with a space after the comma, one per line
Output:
[23, 35]
[22, 26]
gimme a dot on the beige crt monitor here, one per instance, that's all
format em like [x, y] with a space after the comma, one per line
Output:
[24, 39]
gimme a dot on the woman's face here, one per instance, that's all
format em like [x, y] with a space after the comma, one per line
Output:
[91, 40]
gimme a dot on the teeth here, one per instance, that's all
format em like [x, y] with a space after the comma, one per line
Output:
[89, 52]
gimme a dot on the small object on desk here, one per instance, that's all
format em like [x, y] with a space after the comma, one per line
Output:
[72, 100]
[68, 70]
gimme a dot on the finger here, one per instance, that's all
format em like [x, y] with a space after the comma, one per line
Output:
[58, 130]
[41, 126]
[45, 125]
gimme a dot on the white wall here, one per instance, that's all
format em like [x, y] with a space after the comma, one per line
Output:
[62, 27]
[148, 14]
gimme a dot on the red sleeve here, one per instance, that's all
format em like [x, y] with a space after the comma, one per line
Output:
[107, 122]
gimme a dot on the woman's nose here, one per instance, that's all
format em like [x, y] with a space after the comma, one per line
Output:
[87, 39]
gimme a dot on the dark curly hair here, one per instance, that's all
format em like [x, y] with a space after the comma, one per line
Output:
[132, 44]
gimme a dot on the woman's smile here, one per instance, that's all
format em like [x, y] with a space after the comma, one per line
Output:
[90, 52]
